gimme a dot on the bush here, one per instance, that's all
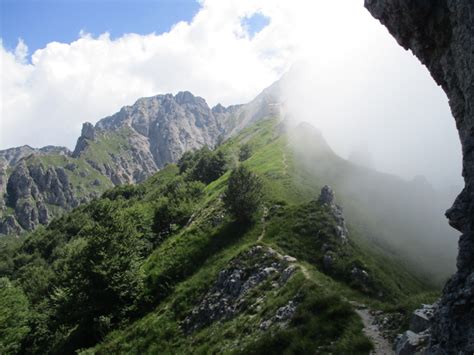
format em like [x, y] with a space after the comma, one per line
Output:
[170, 216]
[176, 207]
[203, 165]
[187, 161]
[244, 194]
[125, 191]
[245, 152]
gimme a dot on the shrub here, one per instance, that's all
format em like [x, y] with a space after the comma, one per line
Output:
[187, 161]
[245, 152]
[244, 194]
[203, 165]
[170, 216]
[125, 191]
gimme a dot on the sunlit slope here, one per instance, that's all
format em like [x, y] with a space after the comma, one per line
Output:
[191, 271]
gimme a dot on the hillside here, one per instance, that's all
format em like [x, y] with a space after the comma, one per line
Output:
[163, 266]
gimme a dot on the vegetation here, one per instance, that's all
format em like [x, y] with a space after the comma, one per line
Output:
[203, 165]
[14, 317]
[244, 194]
[123, 273]
[245, 152]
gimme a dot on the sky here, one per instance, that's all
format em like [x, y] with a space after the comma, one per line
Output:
[65, 62]
[39, 22]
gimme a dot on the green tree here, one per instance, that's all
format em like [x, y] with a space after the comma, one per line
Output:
[187, 161]
[203, 165]
[170, 216]
[244, 194]
[100, 282]
[13, 317]
[245, 152]
[210, 166]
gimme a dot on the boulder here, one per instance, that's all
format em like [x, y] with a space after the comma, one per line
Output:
[410, 343]
[421, 318]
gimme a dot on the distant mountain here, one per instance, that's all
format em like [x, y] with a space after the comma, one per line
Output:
[127, 147]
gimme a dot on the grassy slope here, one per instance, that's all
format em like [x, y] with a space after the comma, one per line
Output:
[81, 177]
[184, 267]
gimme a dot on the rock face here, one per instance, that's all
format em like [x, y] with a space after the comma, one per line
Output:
[440, 33]
[30, 188]
[171, 124]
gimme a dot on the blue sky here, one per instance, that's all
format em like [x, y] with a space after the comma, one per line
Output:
[39, 22]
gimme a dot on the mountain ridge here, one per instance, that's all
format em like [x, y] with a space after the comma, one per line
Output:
[126, 147]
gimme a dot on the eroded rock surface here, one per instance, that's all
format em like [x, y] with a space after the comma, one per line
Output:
[441, 34]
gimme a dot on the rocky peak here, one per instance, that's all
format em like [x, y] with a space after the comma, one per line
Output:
[327, 196]
[87, 134]
[218, 109]
[12, 156]
[185, 97]
[171, 124]
[88, 131]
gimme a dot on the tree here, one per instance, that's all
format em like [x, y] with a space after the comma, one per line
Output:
[13, 317]
[203, 165]
[210, 166]
[171, 215]
[245, 152]
[244, 194]
[100, 283]
[187, 161]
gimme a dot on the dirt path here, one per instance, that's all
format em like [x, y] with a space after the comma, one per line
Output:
[284, 161]
[264, 224]
[372, 331]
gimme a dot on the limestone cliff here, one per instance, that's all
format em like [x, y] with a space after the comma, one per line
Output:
[441, 34]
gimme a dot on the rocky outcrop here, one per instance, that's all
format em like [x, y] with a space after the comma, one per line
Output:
[234, 290]
[9, 225]
[440, 33]
[87, 135]
[29, 190]
[328, 198]
[416, 340]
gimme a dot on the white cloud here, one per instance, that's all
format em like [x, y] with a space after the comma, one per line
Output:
[358, 79]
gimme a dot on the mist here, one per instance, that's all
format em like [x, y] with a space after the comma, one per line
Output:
[377, 106]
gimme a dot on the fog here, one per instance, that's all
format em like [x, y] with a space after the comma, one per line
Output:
[397, 122]
[377, 106]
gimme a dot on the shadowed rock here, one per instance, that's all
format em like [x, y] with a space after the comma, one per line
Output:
[440, 33]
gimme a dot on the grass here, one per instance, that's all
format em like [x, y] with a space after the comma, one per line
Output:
[183, 268]
[116, 142]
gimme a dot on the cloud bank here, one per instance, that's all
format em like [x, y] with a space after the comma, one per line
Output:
[352, 80]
